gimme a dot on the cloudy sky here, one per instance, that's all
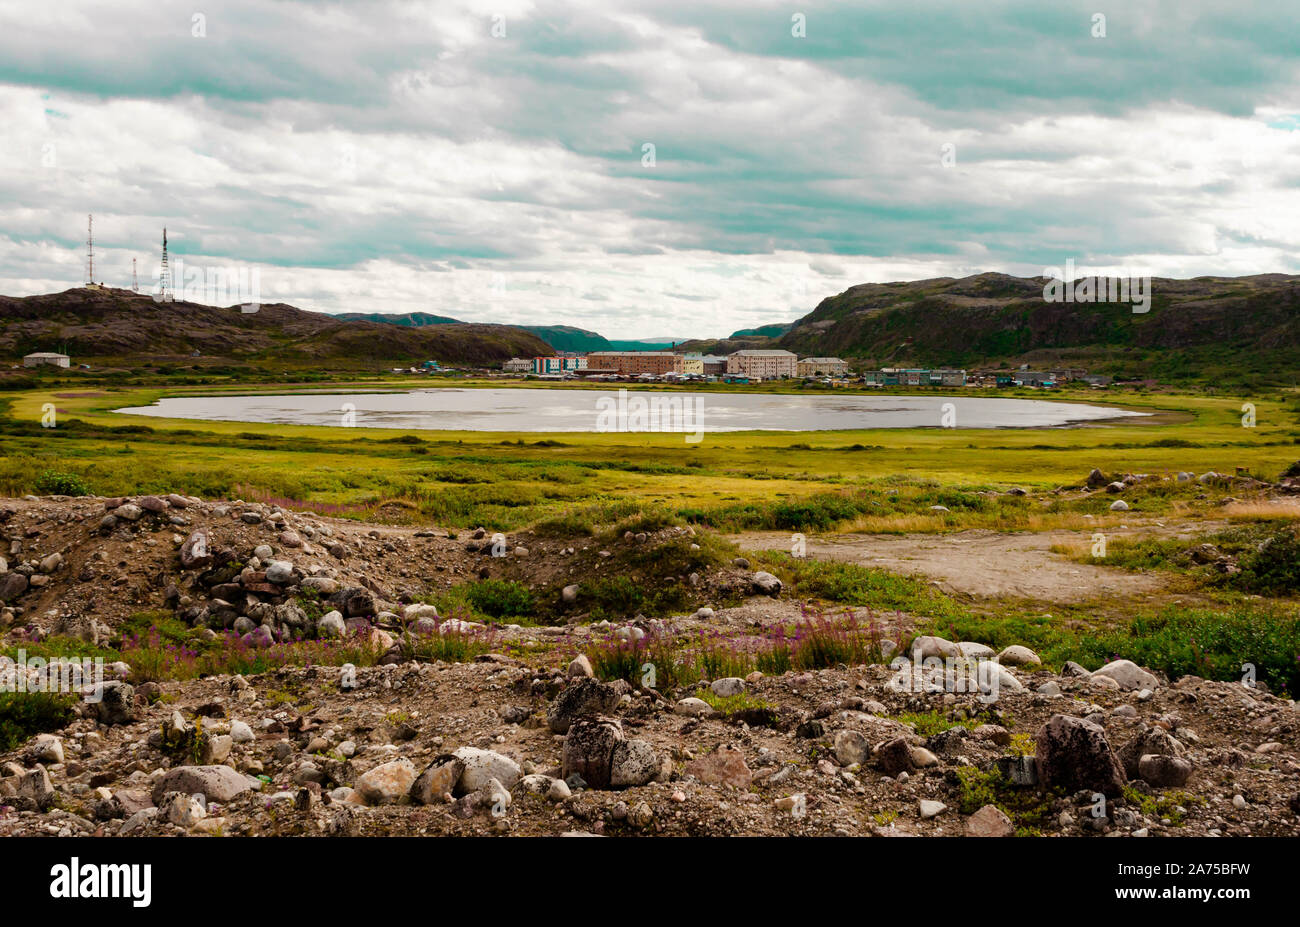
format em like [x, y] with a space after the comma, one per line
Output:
[679, 168]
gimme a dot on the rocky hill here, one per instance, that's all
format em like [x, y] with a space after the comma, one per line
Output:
[1206, 326]
[131, 327]
[278, 674]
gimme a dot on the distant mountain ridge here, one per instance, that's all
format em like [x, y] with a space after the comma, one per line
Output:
[1230, 329]
[129, 326]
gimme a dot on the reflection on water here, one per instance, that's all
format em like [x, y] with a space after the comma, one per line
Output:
[539, 410]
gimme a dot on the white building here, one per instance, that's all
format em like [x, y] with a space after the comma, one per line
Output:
[518, 365]
[42, 358]
[822, 367]
[769, 365]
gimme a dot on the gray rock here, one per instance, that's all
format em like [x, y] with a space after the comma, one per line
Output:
[386, 784]
[482, 765]
[331, 624]
[215, 783]
[1074, 754]
[1154, 740]
[589, 751]
[581, 698]
[1164, 772]
[728, 686]
[240, 732]
[1015, 655]
[929, 646]
[279, 572]
[634, 762]
[1128, 674]
[438, 780]
[851, 747]
[766, 584]
[116, 704]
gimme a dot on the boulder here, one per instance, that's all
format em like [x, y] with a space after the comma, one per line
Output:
[1164, 772]
[728, 686]
[482, 765]
[766, 584]
[331, 625]
[589, 751]
[988, 822]
[894, 757]
[438, 780]
[116, 704]
[1128, 674]
[215, 783]
[1154, 740]
[927, 646]
[279, 572]
[583, 697]
[634, 762]
[386, 784]
[580, 666]
[851, 747]
[1015, 655]
[724, 766]
[1074, 754]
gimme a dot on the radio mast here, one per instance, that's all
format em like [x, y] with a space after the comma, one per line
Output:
[90, 249]
[165, 276]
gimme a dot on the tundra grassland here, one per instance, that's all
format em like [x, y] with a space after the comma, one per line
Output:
[882, 481]
[878, 480]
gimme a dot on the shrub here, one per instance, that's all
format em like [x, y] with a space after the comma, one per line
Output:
[26, 714]
[499, 598]
[58, 483]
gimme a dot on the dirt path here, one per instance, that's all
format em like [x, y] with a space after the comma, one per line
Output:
[990, 563]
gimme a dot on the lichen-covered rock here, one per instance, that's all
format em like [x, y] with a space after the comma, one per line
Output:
[1153, 740]
[386, 784]
[1073, 754]
[589, 751]
[583, 697]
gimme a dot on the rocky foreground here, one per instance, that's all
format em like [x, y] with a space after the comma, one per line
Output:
[523, 739]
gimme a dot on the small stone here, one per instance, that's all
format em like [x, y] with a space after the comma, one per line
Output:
[728, 687]
[851, 748]
[988, 822]
[931, 809]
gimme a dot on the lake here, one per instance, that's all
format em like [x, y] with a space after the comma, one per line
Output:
[558, 410]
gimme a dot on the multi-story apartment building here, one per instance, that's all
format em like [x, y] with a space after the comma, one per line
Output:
[554, 365]
[821, 367]
[769, 365]
[635, 363]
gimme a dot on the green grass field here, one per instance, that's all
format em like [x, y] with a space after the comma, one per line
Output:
[733, 480]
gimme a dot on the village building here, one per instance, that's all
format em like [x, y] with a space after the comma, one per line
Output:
[822, 367]
[46, 358]
[768, 365]
[636, 363]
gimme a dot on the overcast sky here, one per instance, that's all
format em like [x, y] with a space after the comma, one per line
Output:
[489, 160]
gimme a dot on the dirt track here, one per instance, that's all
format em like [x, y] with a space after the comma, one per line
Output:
[990, 563]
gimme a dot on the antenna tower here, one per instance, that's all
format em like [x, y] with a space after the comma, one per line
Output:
[165, 277]
[90, 249]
